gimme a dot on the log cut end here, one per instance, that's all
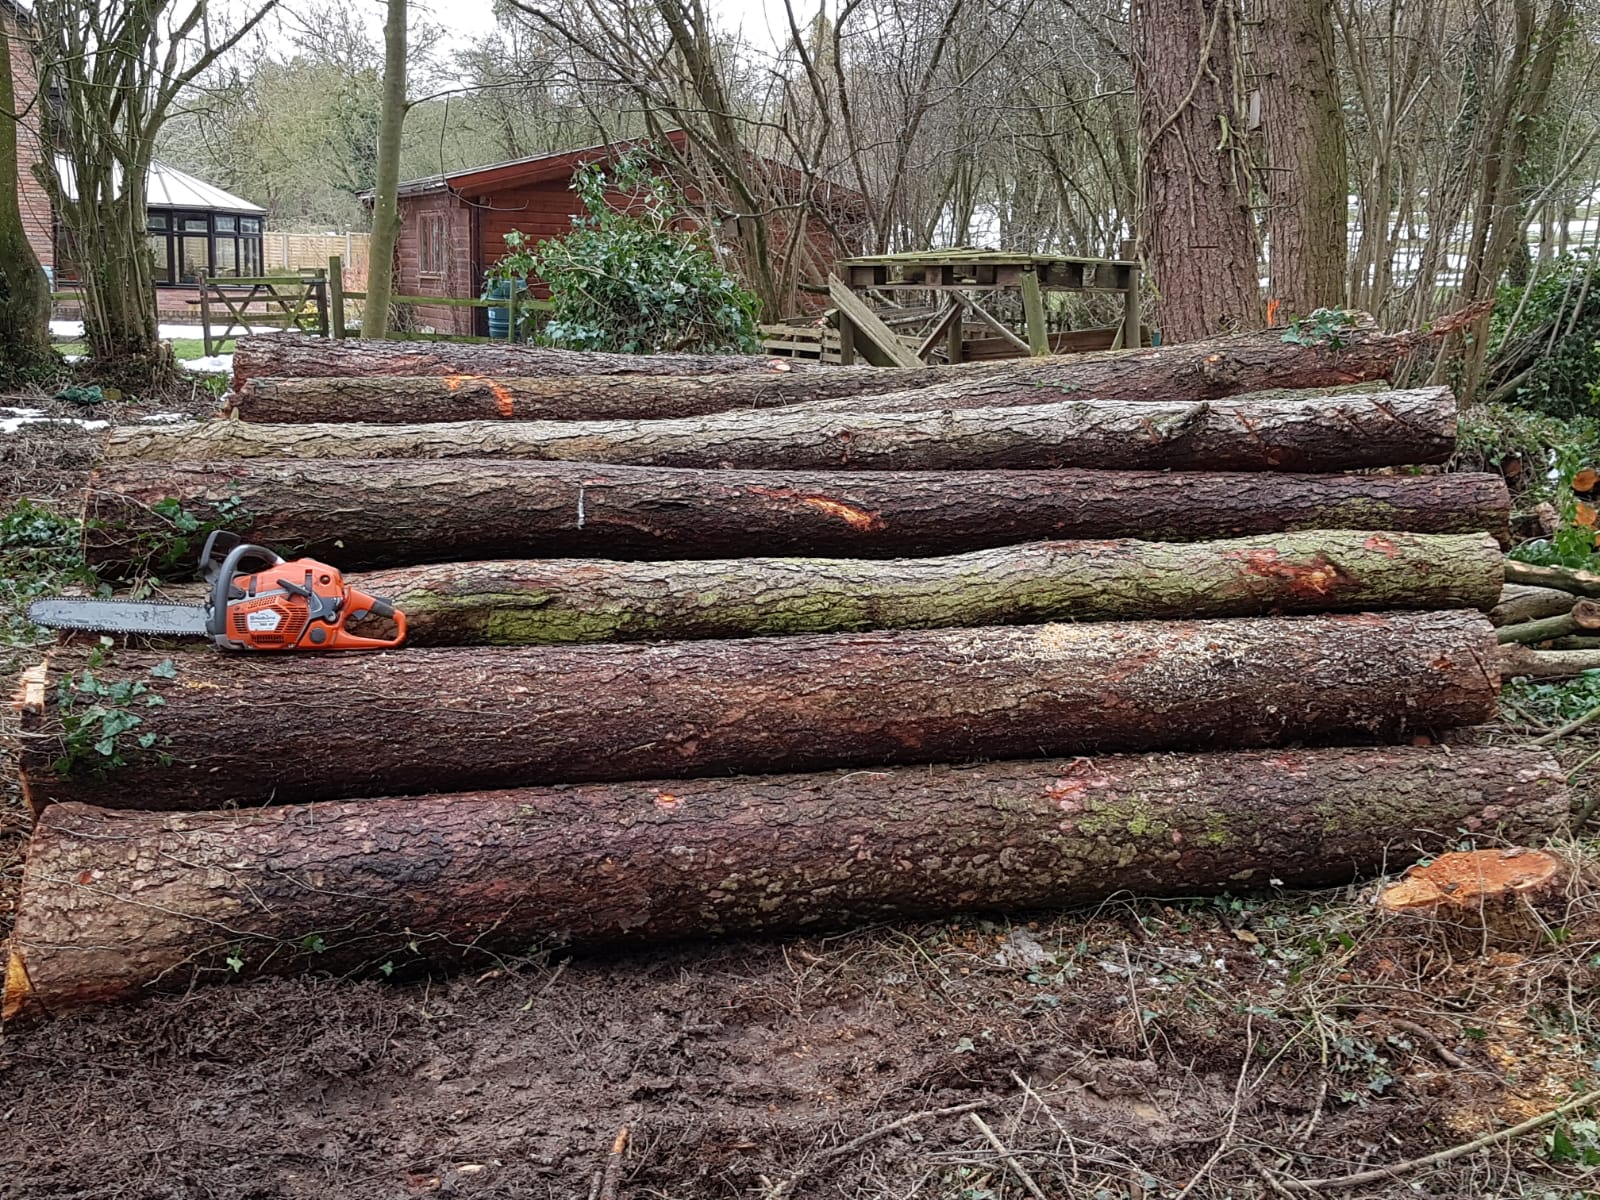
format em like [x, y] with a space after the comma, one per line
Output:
[19, 990]
[29, 704]
[1467, 880]
[1481, 897]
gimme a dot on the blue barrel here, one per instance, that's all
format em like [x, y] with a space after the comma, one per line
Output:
[500, 318]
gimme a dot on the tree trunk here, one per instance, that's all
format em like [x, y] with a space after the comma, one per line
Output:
[1523, 662]
[548, 384]
[524, 603]
[120, 904]
[1519, 604]
[24, 290]
[385, 193]
[394, 513]
[1198, 232]
[1565, 579]
[261, 729]
[1323, 433]
[1307, 177]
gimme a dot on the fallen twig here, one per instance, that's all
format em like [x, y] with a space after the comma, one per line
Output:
[1571, 726]
[787, 1186]
[1007, 1157]
[1395, 1170]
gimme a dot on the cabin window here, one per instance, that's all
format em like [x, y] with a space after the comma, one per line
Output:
[430, 244]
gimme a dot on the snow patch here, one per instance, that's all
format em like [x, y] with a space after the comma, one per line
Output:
[216, 364]
[13, 419]
[74, 329]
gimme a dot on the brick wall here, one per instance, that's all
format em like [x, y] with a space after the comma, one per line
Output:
[37, 217]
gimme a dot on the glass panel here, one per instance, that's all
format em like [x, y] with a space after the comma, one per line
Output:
[224, 224]
[158, 220]
[225, 256]
[250, 264]
[193, 257]
[158, 249]
[195, 225]
[250, 224]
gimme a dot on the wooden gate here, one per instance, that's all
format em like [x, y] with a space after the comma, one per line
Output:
[287, 302]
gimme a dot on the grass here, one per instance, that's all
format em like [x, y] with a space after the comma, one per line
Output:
[186, 349]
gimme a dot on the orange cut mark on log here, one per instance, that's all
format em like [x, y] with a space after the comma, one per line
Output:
[1585, 515]
[502, 398]
[1382, 545]
[1307, 579]
[1467, 879]
[851, 514]
[1585, 480]
[668, 801]
[453, 382]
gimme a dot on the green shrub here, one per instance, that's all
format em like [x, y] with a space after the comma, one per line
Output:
[1562, 367]
[632, 281]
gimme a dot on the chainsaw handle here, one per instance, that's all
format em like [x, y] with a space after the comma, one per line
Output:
[358, 603]
[222, 581]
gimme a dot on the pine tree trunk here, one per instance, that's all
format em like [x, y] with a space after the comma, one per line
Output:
[24, 289]
[392, 513]
[1197, 228]
[121, 904]
[552, 601]
[289, 378]
[1308, 178]
[1320, 433]
[385, 194]
[241, 731]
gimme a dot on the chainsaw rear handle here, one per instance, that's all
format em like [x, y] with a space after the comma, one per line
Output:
[357, 604]
[259, 558]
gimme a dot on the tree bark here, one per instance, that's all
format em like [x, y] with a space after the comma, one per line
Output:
[120, 904]
[297, 378]
[393, 513]
[386, 190]
[263, 729]
[526, 603]
[1519, 604]
[24, 290]
[293, 356]
[1197, 228]
[1307, 177]
[1323, 433]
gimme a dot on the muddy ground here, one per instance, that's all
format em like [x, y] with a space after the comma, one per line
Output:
[1201, 1047]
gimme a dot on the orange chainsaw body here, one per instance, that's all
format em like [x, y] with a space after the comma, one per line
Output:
[299, 605]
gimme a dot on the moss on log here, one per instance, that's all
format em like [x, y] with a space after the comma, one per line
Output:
[392, 513]
[115, 905]
[256, 729]
[563, 600]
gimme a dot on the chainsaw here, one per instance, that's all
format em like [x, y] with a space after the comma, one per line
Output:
[258, 602]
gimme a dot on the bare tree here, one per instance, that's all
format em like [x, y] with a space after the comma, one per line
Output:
[116, 69]
[385, 196]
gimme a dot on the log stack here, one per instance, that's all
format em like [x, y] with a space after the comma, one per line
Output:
[725, 648]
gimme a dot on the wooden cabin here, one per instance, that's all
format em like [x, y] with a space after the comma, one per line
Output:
[453, 226]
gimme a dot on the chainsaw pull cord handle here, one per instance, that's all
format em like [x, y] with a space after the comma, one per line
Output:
[222, 588]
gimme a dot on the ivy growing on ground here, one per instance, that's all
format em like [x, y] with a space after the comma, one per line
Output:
[40, 554]
[634, 281]
[98, 719]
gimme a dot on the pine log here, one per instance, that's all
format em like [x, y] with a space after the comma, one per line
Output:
[1566, 579]
[258, 729]
[1478, 898]
[1205, 370]
[1525, 663]
[115, 905]
[393, 513]
[1323, 433]
[1520, 604]
[293, 355]
[1583, 616]
[565, 600]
